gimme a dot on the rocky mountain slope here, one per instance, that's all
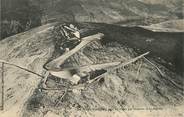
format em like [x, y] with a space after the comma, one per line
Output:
[108, 11]
[34, 48]
[139, 86]
[119, 88]
[30, 50]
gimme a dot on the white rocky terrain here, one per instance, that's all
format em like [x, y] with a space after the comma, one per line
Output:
[137, 88]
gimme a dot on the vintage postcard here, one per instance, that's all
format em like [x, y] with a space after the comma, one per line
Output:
[92, 58]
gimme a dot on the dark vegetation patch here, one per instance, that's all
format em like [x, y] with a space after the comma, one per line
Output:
[18, 16]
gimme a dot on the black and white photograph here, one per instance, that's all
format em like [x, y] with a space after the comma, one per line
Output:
[91, 58]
